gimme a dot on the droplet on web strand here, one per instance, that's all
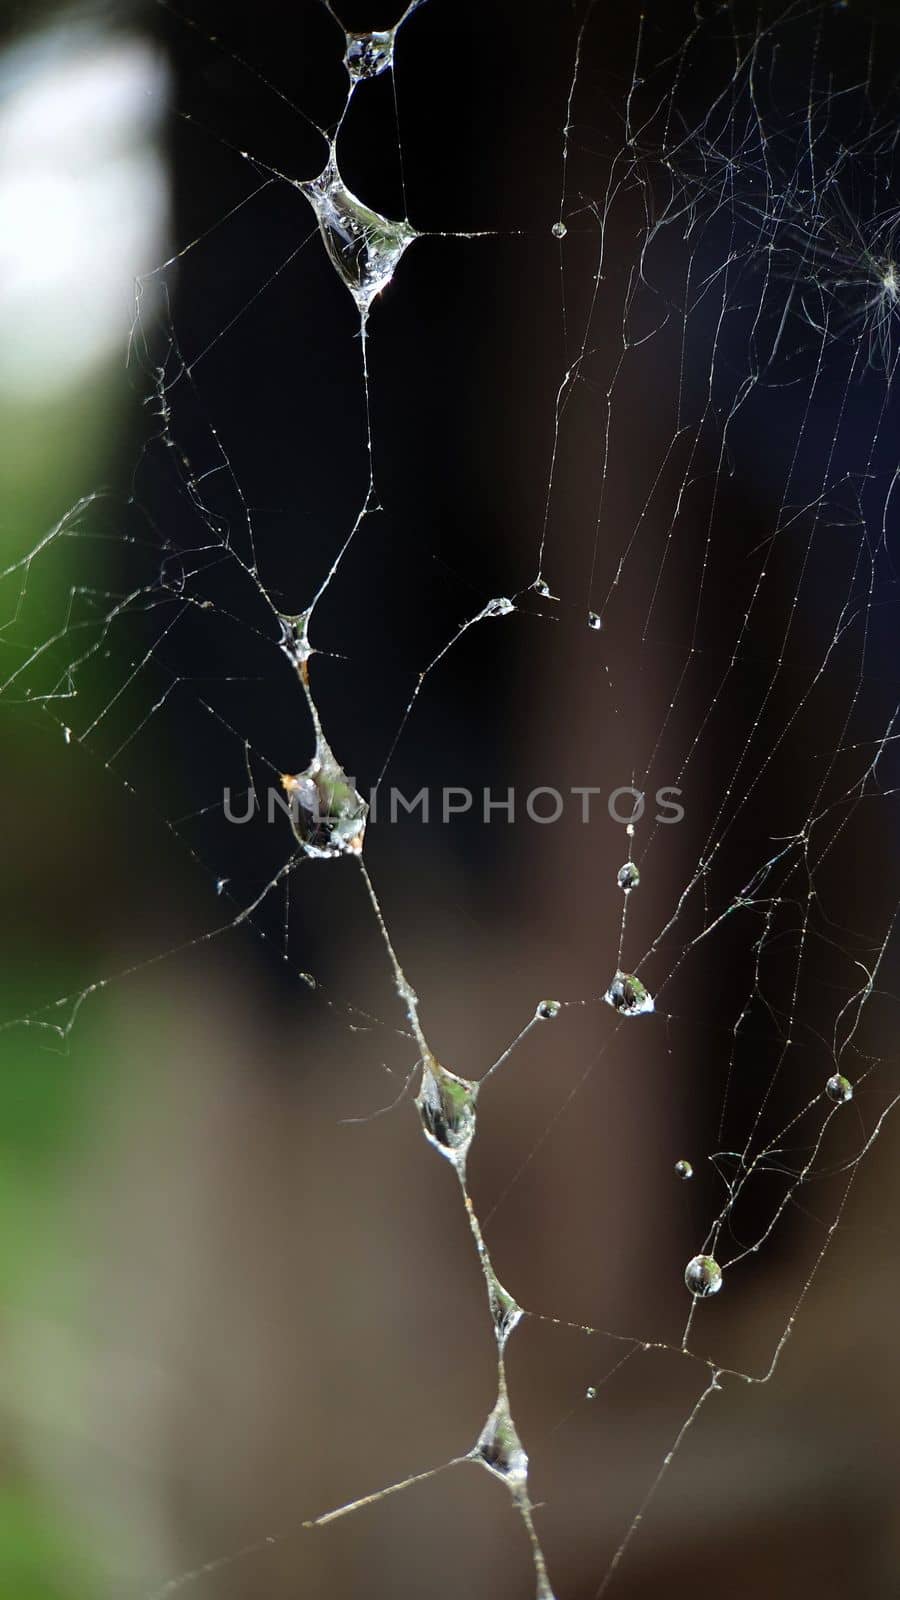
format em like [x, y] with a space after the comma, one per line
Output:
[363, 246]
[703, 1277]
[446, 1105]
[627, 995]
[367, 55]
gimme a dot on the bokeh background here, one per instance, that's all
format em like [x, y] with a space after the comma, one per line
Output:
[231, 1296]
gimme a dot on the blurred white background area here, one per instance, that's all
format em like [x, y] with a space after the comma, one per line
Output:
[84, 200]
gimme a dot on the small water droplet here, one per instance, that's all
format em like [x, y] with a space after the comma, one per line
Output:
[547, 1010]
[364, 247]
[220, 884]
[500, 607]
[839, 1089]
[499, 1447]
[446, 1105]
[559, 230]
[595, 621]
[542, 587]
[505, 1311]
[590, 1393]
[294, 639]
[369, 54]
[703, 1277]
[630, 830]
[683, 1169]
[627, 995]
[67, 735]
[628, 877]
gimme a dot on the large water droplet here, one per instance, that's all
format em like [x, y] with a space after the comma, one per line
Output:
[369, 54]
[500, 1449]
[627, 995]
[594, 621]
[446, 1105]
[628, 876]
[559, 230]
[328, 815]
[839, 1089]
[683, 1169]
[364, 247]
[703, 1277]
[547, 1010]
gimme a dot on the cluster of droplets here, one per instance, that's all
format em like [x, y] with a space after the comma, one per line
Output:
[363, 246]
[446, 1104]
[328, 814]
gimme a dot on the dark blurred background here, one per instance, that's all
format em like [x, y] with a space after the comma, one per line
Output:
[226, 1307]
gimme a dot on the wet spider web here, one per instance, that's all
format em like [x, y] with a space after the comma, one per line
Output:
[698, 260]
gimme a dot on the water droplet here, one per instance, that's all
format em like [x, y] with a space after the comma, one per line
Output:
[364, 247]
[595, 621]
[703, 1277]
[499, 1447]
[559, 230]
[547, 1010]
[683, 1169]
[839, 1089]
[501, 607]
[591, 1393]
[220, 884]
[294, 639]
[328, 815]
[505, 1311]
[446, 1105]
[628, 877]
[627, 995]
[542, 587]
[67, 735]
[369, 54]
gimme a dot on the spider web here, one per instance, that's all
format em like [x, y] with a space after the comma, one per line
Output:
[555, 449]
